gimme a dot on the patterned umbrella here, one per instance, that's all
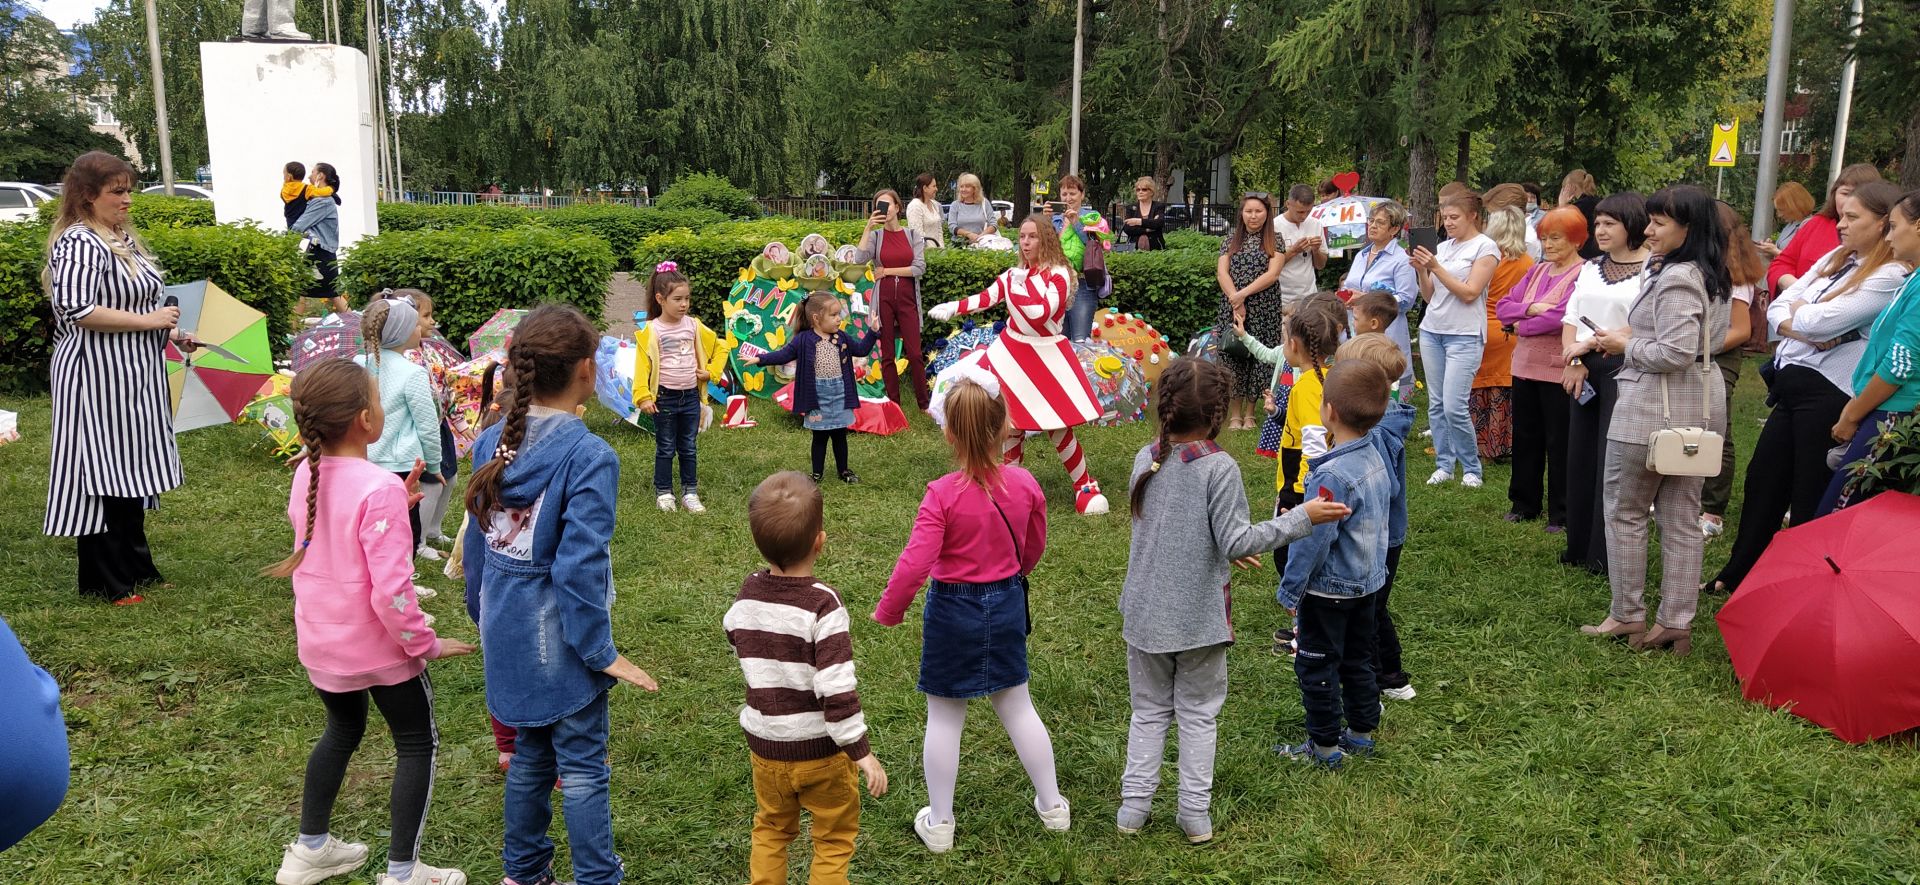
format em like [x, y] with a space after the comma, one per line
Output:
[337, 337]
[1343, 221]
[209, 387]
[493, 334]
[1117, 382]
[463, 389]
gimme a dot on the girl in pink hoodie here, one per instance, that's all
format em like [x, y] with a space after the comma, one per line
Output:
[359, 625]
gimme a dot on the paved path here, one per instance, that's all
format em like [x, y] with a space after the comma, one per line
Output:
[625, 294]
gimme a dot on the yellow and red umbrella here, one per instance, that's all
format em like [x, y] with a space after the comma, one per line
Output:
[214, 384]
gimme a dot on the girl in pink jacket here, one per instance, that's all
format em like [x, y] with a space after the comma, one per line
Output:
[360, 629]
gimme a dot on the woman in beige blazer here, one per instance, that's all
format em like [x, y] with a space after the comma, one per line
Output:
[1683, 306]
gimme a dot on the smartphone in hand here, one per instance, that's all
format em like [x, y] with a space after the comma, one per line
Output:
[1427, 238]
[881, 207]
[1590, 324]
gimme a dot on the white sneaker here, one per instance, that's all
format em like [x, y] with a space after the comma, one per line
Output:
[303, 866]
[1471, 480]
[692, 503]
[1403, 693]
[425, 875]
[1055, 819]
[1440, 476]
[420, 592]
[427, 553]
[666, 503]
[937, 837]
[429, 618]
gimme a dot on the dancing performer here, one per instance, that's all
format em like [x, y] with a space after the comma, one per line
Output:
[1040, 377]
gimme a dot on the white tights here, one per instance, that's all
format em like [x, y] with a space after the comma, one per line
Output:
[940, 757]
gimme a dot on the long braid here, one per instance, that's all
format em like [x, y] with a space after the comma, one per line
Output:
[371, 322]
[548, 347]
[327, 398]
[1191, 396]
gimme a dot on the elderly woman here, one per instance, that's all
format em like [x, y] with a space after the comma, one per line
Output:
[1666, 380]
[970, 216]
[1143, 225]
[113, 449]
[1886, 382]
[1454, 280]
[1382, 264]
[899, 258]
[1820, 233]
[1534, 309]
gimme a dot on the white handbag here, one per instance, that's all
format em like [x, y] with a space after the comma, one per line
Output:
[1686, 451]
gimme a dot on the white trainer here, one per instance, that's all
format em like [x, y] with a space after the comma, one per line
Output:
[1471, 480]
[426, 552]
[420, 592]
[692, 503]
[424, 875]
[1403, 693]
[301, 865]
[1055, 819]
[1440, 476]
[937, 837]
[666, 503]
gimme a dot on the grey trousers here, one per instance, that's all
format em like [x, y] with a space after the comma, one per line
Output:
[260, 17]
[1631, 488]
[1187, 687]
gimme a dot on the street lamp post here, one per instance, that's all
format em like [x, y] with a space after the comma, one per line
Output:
[1770, 124]
[159, 99]
[1079, 57]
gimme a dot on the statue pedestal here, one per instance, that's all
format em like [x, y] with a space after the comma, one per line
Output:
[268, 103]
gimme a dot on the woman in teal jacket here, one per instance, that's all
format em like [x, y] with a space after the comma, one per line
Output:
[1886, 383]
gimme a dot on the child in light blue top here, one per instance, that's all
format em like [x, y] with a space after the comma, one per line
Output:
[411, 440]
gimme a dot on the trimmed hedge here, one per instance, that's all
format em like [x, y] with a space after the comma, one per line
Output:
[623, 227]
[417, 216]
[705, 190]
[265, 270]
[473, 272]
[153, 210]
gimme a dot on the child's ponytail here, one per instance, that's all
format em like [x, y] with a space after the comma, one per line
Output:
[328, 397]
[976, 424]
[546, 347]
[1191, 396]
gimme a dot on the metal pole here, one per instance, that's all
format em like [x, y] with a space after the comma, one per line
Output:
[393, 114]
[1843, 112]
[376, 100]
[1079, 56]
[159, 99]
[1778, 56]
[1720, 184]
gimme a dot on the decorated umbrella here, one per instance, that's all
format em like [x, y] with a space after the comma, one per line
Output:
[438, 356]
[613, 365]
[493, 334]
[1343, 221]
[964, 340]
[1136, 338]
[1827, 624]
[1117, 382]
[212, 385]
[465, 383]
[337, 337]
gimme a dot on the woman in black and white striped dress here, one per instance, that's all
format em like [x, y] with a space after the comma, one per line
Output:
[113, 448]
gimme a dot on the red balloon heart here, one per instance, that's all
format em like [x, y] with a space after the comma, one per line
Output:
[1346, 182]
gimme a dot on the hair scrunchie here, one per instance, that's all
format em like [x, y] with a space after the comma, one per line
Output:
[668, 266]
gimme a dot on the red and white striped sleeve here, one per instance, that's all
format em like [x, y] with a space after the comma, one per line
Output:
[995, 292]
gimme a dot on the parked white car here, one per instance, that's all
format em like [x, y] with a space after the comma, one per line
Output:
[20, 201]
[190, 191]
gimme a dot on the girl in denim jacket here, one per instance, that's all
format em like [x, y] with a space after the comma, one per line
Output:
[538, 563]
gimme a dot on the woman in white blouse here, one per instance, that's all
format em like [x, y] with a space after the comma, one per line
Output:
[1604, 290]
[1821, 322]
[1454, 281]
[923, 212]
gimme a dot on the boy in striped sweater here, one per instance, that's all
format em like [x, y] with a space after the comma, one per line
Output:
[802, 717]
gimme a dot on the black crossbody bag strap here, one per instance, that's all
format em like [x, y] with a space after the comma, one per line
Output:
[1025, 585]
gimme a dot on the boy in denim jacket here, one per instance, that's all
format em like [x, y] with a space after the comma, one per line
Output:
[1332, 574]
[1390, 437]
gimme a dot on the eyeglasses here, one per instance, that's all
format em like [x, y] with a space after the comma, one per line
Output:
[1262, 196]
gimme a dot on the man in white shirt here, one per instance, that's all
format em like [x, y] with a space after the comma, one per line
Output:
[1305, 248]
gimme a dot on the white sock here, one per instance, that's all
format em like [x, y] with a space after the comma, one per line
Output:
[313, 843]
[400, 870]
[1014, 706]
[940, 754]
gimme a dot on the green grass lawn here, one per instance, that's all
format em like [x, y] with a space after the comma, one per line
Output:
[1531, 754]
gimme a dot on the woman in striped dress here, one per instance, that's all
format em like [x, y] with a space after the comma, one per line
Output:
[113, 448]
[1040, 376]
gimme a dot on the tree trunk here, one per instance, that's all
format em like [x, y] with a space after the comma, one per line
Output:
[1423, 195]
[1017, 72]
[1910, 162]
[1463, 156]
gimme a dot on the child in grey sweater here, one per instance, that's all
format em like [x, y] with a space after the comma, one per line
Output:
[1189, 525]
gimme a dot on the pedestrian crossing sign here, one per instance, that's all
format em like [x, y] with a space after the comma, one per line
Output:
[1725, 136]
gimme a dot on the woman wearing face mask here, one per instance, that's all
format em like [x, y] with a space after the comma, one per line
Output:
[1821, 322]
[1819, 234]
[1454, 281]
[1665, 381]
[1886, 383]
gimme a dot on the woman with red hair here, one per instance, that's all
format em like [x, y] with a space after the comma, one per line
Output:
[1534, 309]
[1820, 233]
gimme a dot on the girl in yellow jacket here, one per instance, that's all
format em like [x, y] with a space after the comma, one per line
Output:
[678, 356]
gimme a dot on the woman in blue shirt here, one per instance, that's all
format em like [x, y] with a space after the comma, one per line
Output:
[1382, 264]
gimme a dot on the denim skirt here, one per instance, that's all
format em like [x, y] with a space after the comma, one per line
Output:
[831, 410]
[974, 638]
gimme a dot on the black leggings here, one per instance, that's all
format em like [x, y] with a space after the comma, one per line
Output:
[1387, 668]
[408, 709]
[820, 439]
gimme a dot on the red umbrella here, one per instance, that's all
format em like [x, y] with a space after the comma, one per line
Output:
[1828, 622]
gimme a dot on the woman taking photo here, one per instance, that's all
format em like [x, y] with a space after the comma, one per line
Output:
[1535, 308]
[1454, 282]
[923, 213]
[1664, 382]
[1085, 253]
[1491, 401]
[1886, 382]
[1821, 323]
[320, 223]
[1248, 266]
[113, 448]
[1819, 234]
[1144, 227]
[1794, 206]
[1745, 269]
[1383, 264]
[971, 216]
[1605, 288]
[899, 259]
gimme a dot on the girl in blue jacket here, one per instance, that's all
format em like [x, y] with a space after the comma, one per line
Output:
[823, 386]
[540, 578]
